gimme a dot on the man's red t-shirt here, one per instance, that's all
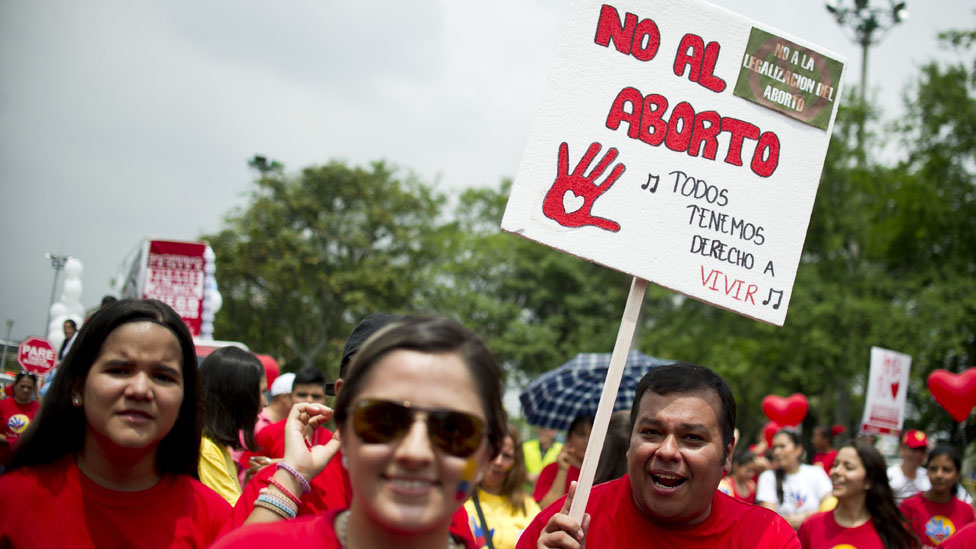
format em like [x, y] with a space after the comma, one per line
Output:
[548, 475]
[821, 531]
[825, 459]
[55, 505]
[934, 522]
[14, 419]
[616, 522]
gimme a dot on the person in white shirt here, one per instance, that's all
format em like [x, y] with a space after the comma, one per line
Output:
[794, 489]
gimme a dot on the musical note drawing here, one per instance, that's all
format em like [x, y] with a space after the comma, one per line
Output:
[779, 299]
[656, 178]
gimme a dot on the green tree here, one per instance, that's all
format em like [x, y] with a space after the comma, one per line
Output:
[312, 253]
[535, 307]
[889, 261]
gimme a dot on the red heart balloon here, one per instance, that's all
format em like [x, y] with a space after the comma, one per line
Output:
[769, 431]
[956, 393]
[787, 411]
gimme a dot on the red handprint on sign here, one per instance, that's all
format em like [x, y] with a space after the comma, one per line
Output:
[571, 197]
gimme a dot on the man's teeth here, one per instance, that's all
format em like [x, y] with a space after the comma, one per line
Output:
[668, 481]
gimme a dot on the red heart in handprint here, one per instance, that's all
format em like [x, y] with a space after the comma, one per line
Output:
[956, 393]
[787, 411]
[572, 195]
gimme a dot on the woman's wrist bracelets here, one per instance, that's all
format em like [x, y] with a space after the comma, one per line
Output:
[298, 476]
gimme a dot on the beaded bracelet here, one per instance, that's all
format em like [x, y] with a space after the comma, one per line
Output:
[273, 508]
[291, 471]
[271, 495]
[285, 506]
[285, 491]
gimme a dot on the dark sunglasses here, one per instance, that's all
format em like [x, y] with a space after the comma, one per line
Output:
[383, 421]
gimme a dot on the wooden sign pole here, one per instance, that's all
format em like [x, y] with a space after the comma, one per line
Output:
[615, 372]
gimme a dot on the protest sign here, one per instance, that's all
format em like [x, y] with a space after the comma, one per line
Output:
[682, 144]
[35, 354]
[175, 275]
[884, 407]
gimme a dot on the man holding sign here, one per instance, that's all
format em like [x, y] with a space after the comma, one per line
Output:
[681, 445]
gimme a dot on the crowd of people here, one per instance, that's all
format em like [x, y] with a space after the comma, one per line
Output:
[136, 446]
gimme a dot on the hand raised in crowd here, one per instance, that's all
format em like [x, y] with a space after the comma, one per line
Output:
[562, 532]
[305, 458]
[567, 457]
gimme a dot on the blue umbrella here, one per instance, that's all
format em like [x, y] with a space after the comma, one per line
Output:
[557, 396]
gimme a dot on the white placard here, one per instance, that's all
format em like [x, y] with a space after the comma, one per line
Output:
[884, 407]
[657, 150]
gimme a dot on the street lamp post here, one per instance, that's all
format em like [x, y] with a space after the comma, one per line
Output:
[57, 263]
[867, 25]
[6, 340]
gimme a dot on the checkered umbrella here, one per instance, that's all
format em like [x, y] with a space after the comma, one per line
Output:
[557, 396]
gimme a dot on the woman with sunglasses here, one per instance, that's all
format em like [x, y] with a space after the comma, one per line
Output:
[16, 413]
[112, 455]
[501, 509]
[419, 417]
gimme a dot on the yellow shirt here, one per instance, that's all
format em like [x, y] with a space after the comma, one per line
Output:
[217, 470]
[535, 462]
[504, 522]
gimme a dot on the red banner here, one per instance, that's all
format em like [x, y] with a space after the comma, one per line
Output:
[175, 275]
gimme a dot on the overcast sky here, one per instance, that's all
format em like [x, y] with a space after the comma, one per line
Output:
[121, 120]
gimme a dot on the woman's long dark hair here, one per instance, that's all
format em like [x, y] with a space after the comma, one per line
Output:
[230, 380]
[513, 487]
[780, 473]
[892, 526]
[59, 428]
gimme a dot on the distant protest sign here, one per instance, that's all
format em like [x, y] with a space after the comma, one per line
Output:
[682, 144]
[174, 274]
[884, 405]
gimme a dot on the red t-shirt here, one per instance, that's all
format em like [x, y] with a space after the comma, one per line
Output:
[965, 538]
[55, 505]
[821, 531]
[14, 419]
[331, 491]
[271, 440]
[616, 522]
[825, 459]
[317, 531]
[934, 522]
[727, 486]
[548, 475]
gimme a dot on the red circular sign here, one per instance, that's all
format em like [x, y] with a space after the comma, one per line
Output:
[36, 355]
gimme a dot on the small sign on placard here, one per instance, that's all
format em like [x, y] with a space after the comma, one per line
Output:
[884, 407]
[789, 78]
[676, 144]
